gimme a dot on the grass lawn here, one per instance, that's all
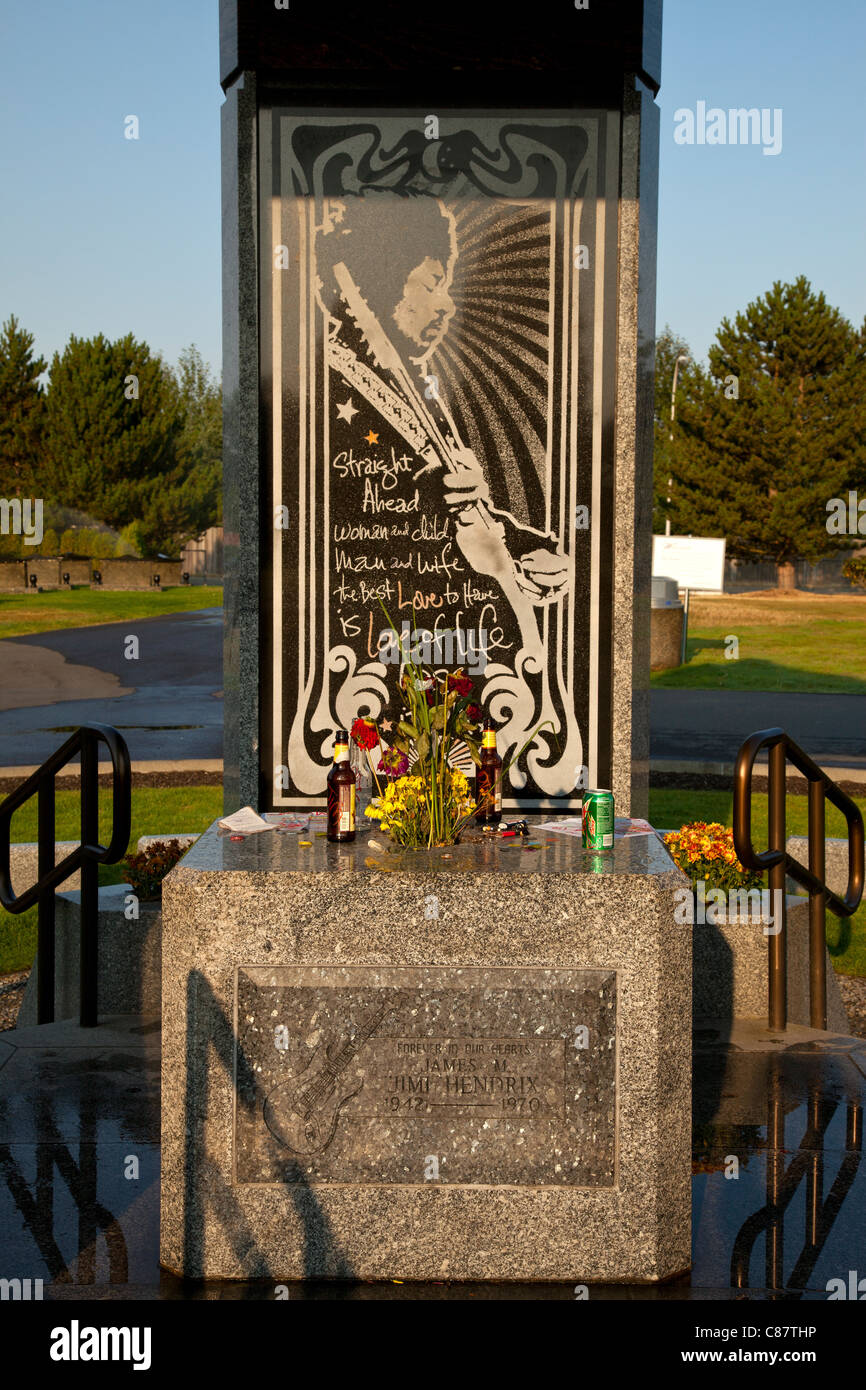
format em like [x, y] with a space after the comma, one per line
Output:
[23, 613]
[669, 809]
[155, 810]
[807, 642]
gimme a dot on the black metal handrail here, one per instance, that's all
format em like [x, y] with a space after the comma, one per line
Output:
[776, 860]
[87, 856]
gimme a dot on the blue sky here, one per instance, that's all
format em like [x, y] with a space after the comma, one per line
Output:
[100, 233]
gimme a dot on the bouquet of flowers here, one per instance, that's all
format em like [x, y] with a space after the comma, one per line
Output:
[706, 852]
[426, 799]
[405, 809]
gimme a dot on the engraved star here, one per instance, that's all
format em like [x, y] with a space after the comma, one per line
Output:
[372, 438]
[386, 724]
[346, 411]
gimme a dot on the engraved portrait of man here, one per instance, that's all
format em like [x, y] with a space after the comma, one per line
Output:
[398, 256]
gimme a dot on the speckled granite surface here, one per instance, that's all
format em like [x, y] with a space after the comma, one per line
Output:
[730, 970]
[128, 974]
[635, 366]
[341, 971]
[241, 501]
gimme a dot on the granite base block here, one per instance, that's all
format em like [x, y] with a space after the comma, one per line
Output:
[666, 638]
[24, 865]
[731, 970]
[128, 980]
[402, 1067]
[835, 861]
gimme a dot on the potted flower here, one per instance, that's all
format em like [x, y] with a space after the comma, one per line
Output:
[146, 870]
[705, 852]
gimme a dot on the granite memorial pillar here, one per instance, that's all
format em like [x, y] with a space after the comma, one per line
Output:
[439, 281]
[438, 299]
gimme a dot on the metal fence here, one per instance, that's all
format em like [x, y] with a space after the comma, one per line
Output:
[824, 578]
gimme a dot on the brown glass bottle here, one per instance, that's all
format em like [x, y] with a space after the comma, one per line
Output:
[488, 778]
[341, 793]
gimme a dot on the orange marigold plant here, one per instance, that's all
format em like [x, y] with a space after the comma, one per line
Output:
[706, 852]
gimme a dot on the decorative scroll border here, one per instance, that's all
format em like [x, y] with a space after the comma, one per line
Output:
[289, 192]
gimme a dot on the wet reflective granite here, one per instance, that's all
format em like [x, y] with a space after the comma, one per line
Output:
[788, 1107]
[79, 1155]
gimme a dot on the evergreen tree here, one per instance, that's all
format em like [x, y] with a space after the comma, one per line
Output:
[774, 430]
[202, 404]
[115, 425]
[21, 410]
[669, 347]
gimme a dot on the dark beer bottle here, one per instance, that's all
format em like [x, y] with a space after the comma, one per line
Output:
[488, 779]
[341, 793]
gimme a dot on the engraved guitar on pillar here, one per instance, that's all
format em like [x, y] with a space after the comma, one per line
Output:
[302, 1113]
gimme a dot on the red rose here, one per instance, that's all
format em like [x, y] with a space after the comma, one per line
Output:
[473, 712]
[365, 733]
[462, 684]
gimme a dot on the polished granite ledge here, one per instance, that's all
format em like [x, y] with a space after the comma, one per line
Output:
[276, 851]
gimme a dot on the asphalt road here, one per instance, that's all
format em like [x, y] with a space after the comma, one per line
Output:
[712, 724]
[173, 707]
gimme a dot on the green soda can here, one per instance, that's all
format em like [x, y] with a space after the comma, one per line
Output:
[597, 812]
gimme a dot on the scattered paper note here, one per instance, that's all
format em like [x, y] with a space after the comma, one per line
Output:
[245, 822]
[623, 827]
[572, 826]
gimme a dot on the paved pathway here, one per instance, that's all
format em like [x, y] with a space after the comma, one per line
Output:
[712, 724]
[167, 703]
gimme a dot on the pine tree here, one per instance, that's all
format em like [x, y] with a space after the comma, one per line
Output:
[115, 425]
[774, 430]
[669, 347]
[21, 410]
[202, 405]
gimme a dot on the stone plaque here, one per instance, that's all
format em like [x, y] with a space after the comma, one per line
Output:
[368, 1074]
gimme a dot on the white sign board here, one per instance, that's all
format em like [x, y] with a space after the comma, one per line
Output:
[695, 562]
